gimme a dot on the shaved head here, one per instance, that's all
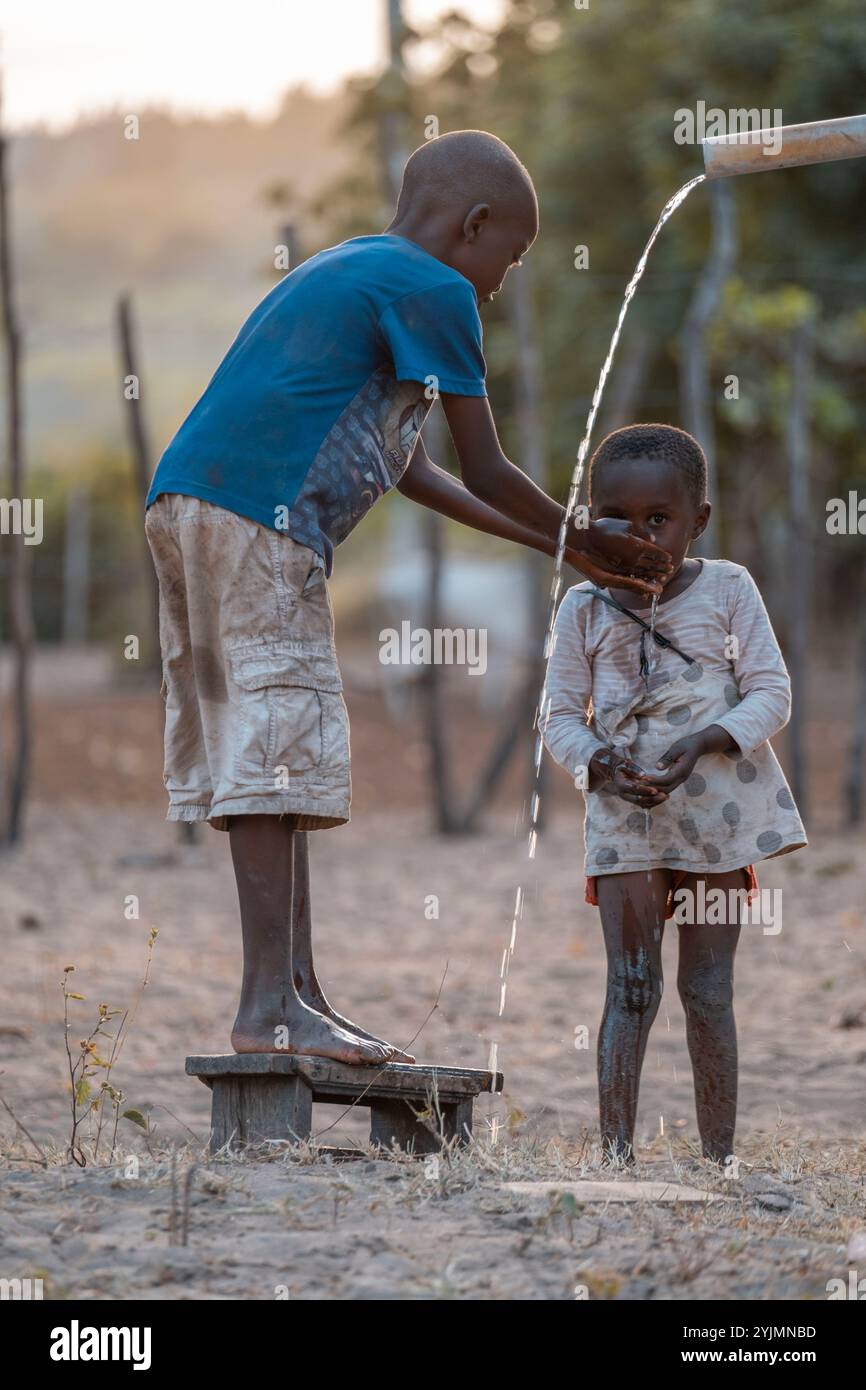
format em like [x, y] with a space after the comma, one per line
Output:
[463, 168]
[467, 200]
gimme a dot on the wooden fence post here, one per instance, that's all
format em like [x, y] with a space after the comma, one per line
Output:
[20, 602]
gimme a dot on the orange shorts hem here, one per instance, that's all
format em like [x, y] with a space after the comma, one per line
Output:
[752, 890]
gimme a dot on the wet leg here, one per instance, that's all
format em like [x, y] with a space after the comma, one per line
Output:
[632, 910]
[705, 979]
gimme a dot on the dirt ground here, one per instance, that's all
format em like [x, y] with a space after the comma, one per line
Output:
[300, 1225]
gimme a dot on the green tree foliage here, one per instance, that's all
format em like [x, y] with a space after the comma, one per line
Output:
[589, 100]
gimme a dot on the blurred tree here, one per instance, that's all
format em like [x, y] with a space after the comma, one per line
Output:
[589, 99]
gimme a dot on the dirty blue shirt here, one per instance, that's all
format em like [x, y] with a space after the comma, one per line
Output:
[313, 413]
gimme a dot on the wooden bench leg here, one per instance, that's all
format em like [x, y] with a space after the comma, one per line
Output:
[393, 1122]
[250, 1109]
[460, 1117]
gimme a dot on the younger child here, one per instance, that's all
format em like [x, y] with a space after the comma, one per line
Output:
[682, 784]
[313, 414]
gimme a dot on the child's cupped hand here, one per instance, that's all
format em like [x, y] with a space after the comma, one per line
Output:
[630, 782]
[676, 764]
[608, 553]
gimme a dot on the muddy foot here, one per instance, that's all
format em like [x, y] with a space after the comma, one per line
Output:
[318, 1002]
[308, 1033]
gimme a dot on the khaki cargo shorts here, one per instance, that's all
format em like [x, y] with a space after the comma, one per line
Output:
[255, 721]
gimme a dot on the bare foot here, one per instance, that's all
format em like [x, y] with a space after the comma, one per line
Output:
[397, 1055]
[310, 1034]
[314, 997]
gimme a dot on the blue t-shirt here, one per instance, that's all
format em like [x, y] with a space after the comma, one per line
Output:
[313, 413]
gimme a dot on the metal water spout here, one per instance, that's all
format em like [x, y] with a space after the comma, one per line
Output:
[785, 146]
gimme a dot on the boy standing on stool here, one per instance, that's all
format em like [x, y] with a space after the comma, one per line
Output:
[312, 415]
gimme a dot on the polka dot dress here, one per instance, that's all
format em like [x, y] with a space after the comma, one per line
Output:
[736, 807]
[731, 811]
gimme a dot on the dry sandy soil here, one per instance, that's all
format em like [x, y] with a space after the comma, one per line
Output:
[302, 1224]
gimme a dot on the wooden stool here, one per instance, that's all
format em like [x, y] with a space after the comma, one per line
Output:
[269, 1095]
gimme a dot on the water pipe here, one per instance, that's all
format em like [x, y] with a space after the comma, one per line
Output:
[785, 146]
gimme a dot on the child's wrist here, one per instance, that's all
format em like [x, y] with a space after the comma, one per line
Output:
[714, 739]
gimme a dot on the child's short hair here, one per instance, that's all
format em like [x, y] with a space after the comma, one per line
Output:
[656, 441]
[466, 166]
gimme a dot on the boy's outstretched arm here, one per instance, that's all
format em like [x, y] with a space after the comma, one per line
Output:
[606, 552]
[435, 488]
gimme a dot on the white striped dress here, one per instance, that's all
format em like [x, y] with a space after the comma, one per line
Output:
[736, 807]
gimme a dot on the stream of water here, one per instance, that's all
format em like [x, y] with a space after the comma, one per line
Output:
[667, 212]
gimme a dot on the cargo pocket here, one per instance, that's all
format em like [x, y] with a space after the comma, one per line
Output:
[316, 577]
[284, 694]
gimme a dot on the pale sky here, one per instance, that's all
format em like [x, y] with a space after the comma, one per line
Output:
[62, 60]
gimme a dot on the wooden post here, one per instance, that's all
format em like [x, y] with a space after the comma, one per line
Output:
[625, 387]
[20, 603]
[290, 239]
[857, 751]
[392, 134]
[76, 566]
[516, 730]
[696, 396]
[800, 552]
[141, 463]
[139, 449]
[431, 684]
[531, 443]
[394, 153]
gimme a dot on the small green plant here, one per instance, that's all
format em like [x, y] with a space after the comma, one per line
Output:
[92, 1093]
